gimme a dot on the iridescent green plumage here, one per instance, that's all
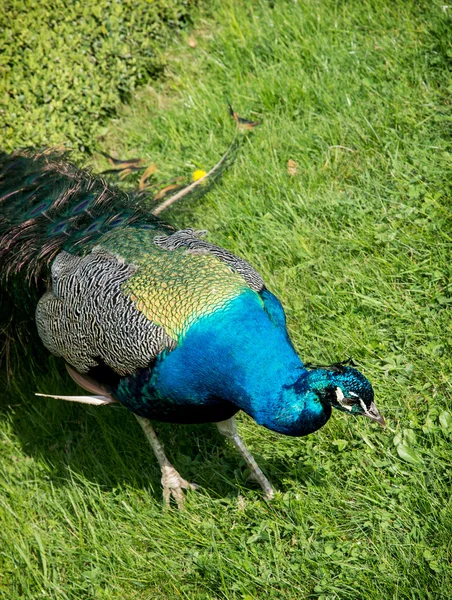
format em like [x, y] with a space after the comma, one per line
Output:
[172, 289]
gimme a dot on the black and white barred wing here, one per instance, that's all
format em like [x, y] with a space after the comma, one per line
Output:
[85, 318]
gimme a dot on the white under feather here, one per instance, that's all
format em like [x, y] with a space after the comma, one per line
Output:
[94, 400]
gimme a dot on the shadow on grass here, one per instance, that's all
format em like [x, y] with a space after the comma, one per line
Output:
[106, 446]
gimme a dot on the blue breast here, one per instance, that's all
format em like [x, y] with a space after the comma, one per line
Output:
[239, 357]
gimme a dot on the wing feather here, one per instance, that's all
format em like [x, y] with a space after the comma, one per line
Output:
[87, 319]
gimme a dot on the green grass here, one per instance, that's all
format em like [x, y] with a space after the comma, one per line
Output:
[357, 246]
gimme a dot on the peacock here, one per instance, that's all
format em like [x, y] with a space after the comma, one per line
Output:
[161, 320]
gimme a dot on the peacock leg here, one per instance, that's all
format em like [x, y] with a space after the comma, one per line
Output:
[229, 429]
[172, 482]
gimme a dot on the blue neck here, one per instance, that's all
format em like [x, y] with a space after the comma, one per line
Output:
[243, 354]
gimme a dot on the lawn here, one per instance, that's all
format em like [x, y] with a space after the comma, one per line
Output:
[355, 238]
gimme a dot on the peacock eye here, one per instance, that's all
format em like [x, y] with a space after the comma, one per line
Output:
[341, 398]
[348, 402]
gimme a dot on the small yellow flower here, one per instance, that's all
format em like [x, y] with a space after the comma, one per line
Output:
[198, 174]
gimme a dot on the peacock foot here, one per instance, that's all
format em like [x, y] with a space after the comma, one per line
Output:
[269, 492]
[173, 485]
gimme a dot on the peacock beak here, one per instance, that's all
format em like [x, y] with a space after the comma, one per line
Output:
[372, 413]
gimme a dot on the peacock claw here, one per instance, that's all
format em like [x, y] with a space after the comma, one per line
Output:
[173, 485]
[269, 494]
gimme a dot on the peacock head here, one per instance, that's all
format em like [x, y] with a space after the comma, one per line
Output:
[345, 388]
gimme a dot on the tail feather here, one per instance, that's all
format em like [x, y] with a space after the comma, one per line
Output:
[47, 204]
